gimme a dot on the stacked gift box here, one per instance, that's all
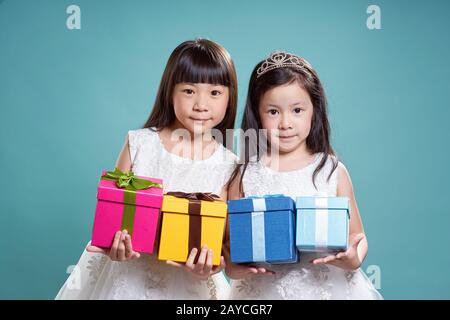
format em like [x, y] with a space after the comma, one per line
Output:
[125, 201]
[322, 224]
[269, 229]
[262, 229]
[180, 221]
[191, 220]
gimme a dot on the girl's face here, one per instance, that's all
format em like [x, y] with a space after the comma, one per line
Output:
[199, 107]
[286, 112]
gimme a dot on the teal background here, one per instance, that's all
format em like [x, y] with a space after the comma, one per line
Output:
[68, 97]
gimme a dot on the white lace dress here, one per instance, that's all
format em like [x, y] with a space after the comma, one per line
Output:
[97, 277]
[302, 280]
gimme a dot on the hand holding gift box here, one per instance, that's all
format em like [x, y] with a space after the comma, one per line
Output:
[127, 202]
[262, 230]
[191, 220]
[322, 224]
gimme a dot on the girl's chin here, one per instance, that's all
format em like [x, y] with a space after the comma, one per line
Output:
[200, 128]
[284, 148]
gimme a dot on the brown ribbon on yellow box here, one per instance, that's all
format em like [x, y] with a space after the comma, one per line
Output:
[195, 218]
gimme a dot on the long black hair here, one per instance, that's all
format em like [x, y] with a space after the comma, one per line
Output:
[318, 139]
[195, 61]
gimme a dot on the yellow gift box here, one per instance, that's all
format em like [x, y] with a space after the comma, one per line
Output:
[191, 220]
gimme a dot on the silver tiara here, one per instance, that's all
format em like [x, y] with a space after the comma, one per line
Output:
[280, 60]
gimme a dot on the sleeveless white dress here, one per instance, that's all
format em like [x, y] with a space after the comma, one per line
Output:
[301, 280]
[97, 277]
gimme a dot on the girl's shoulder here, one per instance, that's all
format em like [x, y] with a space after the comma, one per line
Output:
[335, 163]
[227, 155]
[137, 136]
[143, 132]
[331, 166]
[335, 169]
[141, 141]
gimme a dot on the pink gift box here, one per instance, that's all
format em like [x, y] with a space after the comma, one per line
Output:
[110, 209]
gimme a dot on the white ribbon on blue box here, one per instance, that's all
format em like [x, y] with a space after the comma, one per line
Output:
[258, 237]
[262, 229]
[322, 224]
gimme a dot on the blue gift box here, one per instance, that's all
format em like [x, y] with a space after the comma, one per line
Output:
[262, 229]
[322, 224]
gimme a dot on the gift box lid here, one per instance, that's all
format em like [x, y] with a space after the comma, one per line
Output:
[276, 202]
[330, 203]
[151, 197]
[216, 208]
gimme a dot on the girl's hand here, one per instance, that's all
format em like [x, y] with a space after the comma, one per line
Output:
[237, 271]
[348, 260]
[204, 268]
[121, 249]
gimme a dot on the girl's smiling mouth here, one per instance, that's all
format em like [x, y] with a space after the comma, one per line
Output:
[199, 119]
[286, 137]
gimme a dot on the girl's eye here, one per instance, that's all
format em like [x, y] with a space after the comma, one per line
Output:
[273, 112]
[188, 91]
[297, 110]
[216, 93]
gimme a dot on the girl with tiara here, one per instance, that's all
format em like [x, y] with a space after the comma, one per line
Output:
[197, 95]
[286, 98]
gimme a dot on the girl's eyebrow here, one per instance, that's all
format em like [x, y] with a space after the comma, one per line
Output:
[297, 103]
[292, 105]
[195, 84]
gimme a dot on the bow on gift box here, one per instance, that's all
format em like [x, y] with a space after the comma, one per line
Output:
[131, 183]
[207, 196]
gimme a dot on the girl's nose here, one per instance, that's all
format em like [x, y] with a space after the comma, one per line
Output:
[285, 123]
[200, 107]
[200, 104]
